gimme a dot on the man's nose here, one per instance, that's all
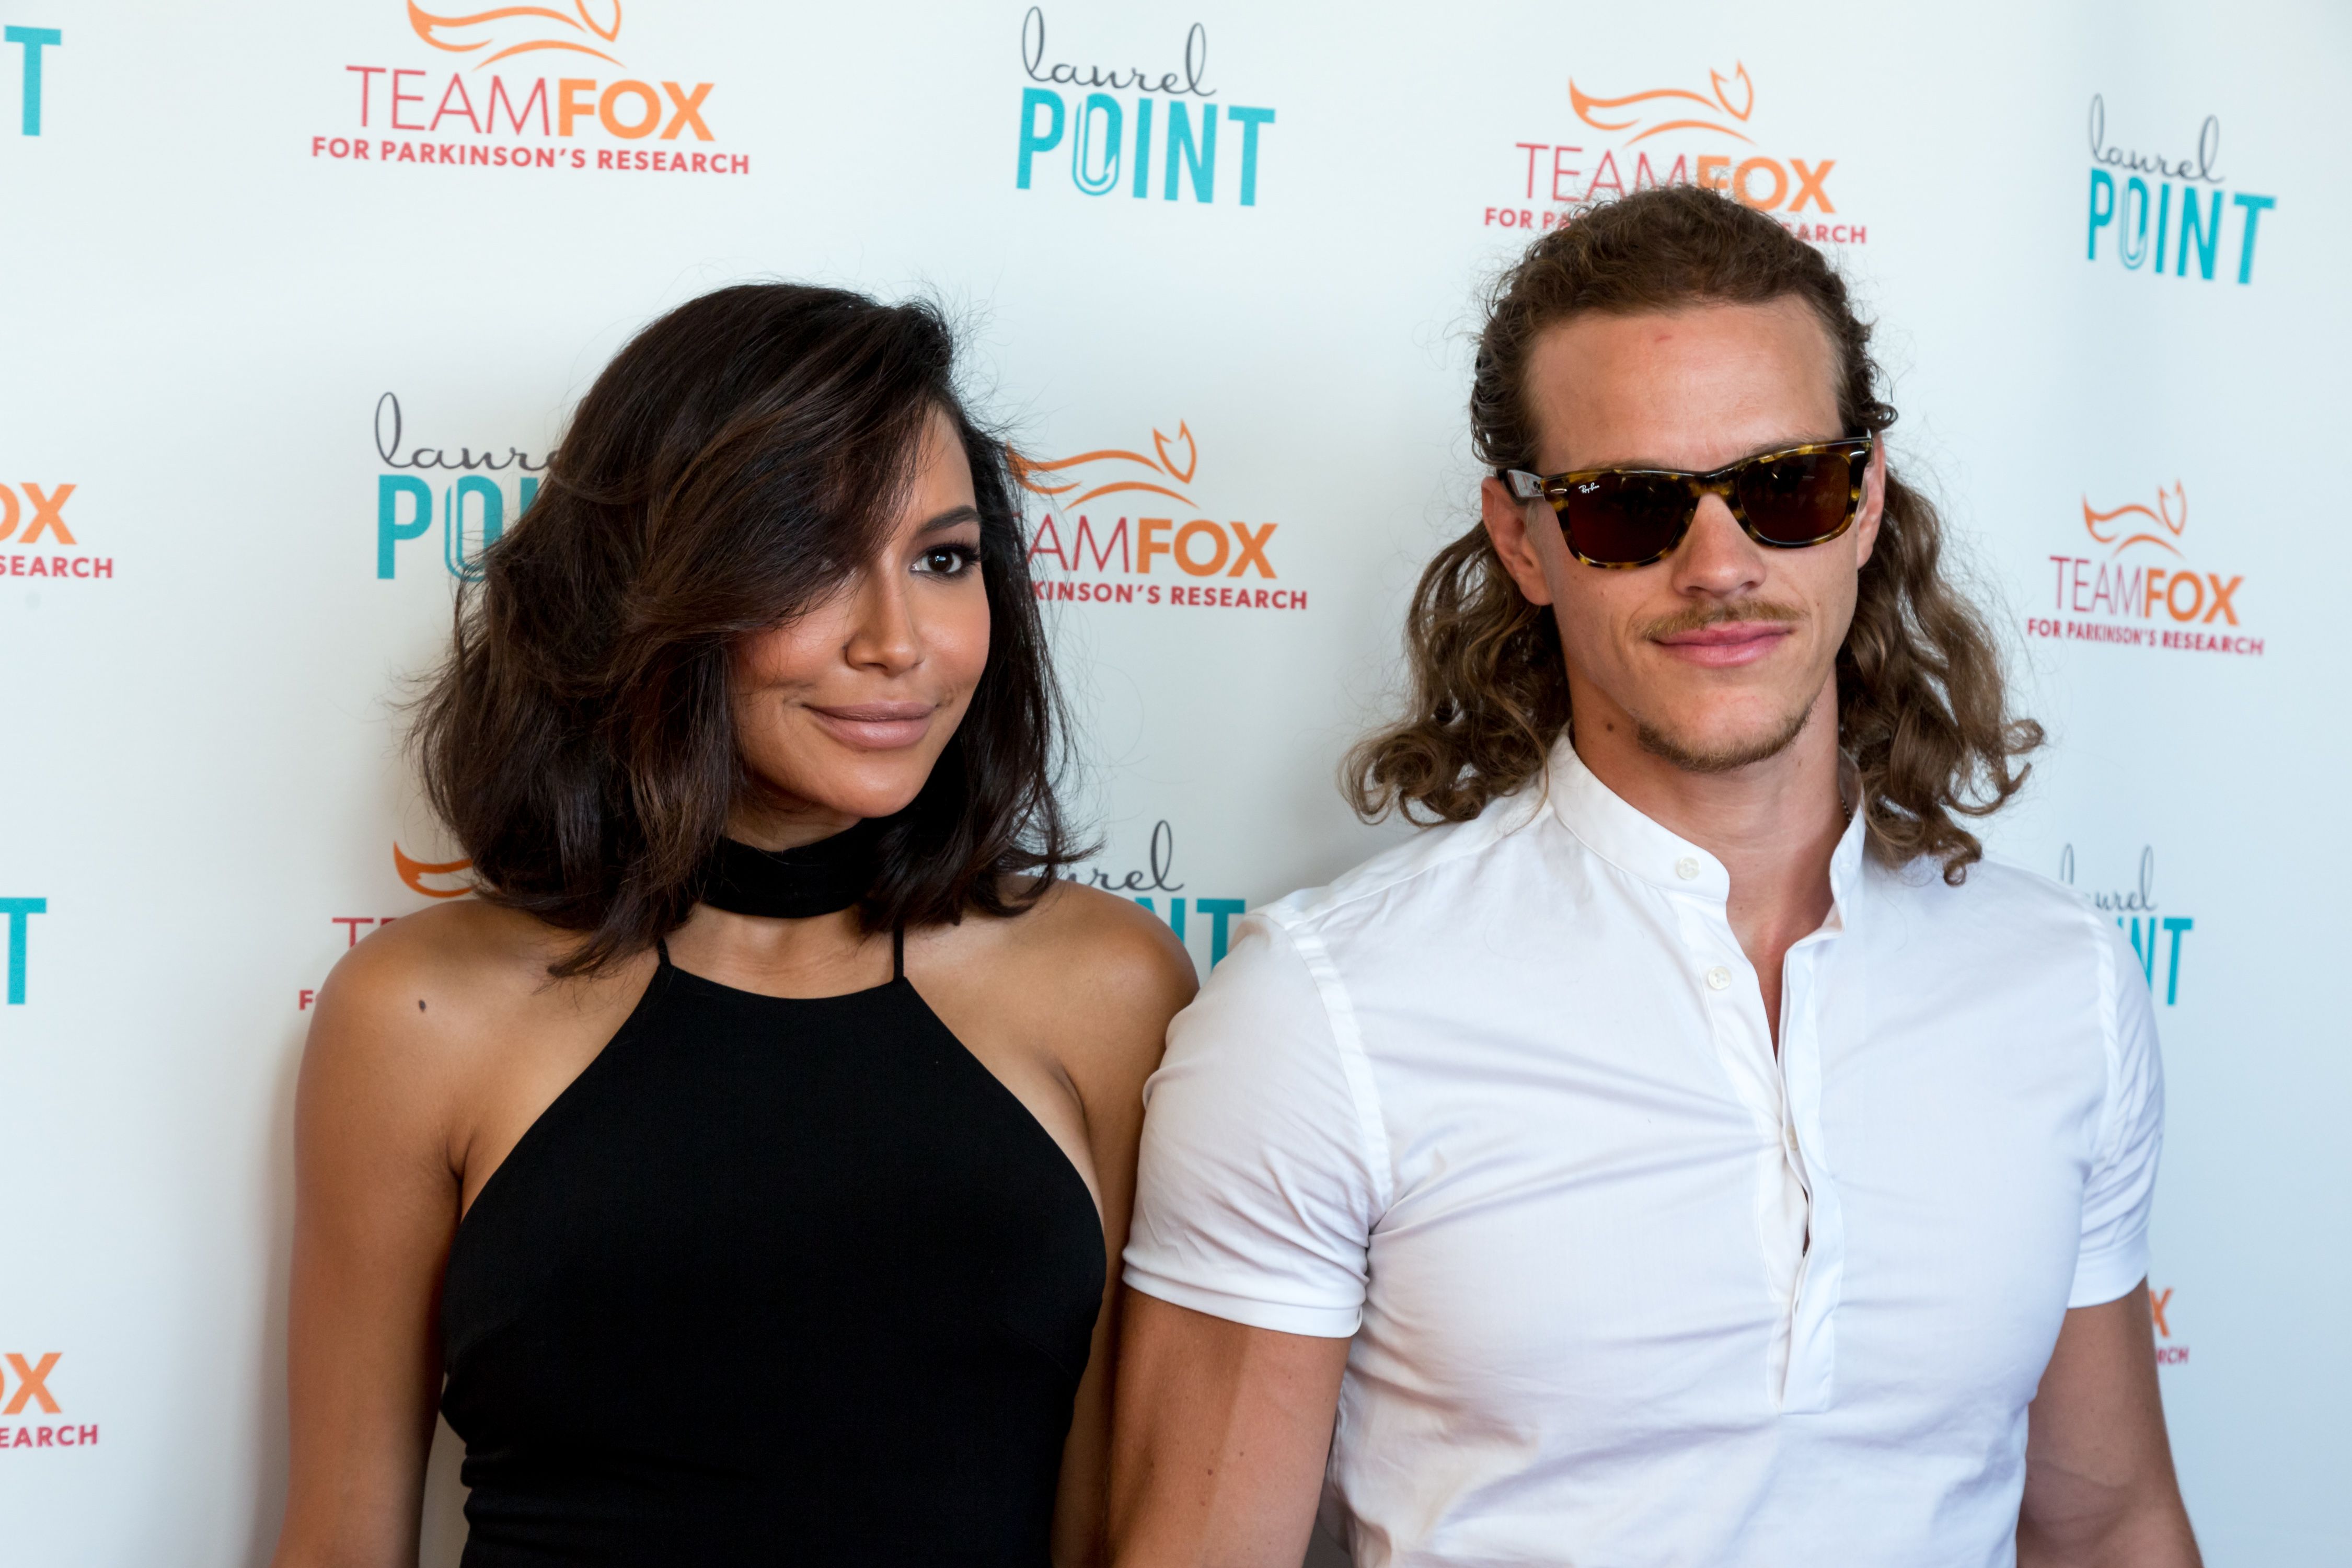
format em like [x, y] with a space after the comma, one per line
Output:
[1716, 557]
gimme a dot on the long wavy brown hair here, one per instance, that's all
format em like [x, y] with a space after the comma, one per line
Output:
[735, 463]
[1922, 707]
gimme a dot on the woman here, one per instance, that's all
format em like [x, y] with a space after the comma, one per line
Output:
[741, 1170]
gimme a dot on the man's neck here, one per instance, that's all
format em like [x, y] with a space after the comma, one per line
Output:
[1774, 824]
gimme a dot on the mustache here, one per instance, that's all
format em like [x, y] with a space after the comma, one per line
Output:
[1698, 618]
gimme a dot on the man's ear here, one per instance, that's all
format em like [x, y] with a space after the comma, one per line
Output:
[1874, 503]
[1507, 524]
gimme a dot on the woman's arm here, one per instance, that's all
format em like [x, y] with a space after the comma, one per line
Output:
[375, 1205]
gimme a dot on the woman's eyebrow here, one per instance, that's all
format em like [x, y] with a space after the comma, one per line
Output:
[955, 516]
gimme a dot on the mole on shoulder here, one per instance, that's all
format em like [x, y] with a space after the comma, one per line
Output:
[420, 1004]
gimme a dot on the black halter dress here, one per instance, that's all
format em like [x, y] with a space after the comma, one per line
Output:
[775, 1280]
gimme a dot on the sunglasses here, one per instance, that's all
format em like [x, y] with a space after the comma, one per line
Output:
[1631, 517]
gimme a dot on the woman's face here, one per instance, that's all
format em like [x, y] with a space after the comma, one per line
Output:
[842, 713]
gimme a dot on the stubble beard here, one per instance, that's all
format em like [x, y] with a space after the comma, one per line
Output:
[1724, 759]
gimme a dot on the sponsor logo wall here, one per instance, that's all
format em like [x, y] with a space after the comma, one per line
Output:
[278, 364]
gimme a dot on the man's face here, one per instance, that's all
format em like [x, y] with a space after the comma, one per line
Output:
[1717, 656]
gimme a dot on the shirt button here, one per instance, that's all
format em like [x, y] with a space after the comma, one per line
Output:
[1687, 867]
[1791, 1136]
[1718, 978]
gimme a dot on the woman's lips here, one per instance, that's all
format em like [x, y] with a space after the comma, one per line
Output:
[877, 726]
[1727, 644]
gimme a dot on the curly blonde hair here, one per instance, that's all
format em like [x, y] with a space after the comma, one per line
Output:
[1922, 707]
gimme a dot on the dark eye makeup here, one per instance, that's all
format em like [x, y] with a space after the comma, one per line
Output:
[953, 558]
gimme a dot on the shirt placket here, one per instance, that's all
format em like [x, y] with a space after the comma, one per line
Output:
[1782, 1202]
[1811, 1010]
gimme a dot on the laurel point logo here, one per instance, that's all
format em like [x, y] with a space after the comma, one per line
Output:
[413, 871]
[519, 28]
[1668, 102]
[2169, 513]
[1112, 470]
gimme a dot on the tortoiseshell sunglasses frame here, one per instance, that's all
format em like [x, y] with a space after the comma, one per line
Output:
[1723, 482]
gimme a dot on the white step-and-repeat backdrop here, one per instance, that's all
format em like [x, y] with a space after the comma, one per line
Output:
[294, 299]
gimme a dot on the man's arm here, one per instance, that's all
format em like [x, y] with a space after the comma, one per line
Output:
[1219, 1438]
[2099, 1487]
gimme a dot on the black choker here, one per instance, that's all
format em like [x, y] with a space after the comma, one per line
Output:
[796, 884]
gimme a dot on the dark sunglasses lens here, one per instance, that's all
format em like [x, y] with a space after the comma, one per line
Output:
[1620, 519]
[1798, 499]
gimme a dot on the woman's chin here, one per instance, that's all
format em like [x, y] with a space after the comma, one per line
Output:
[853, 799]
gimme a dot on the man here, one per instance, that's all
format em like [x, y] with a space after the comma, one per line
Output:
[1692, 1153]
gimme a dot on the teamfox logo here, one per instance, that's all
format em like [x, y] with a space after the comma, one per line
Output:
[2115, 597]
[1076, 541]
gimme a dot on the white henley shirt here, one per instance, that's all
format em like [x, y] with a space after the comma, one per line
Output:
[1626, 1287]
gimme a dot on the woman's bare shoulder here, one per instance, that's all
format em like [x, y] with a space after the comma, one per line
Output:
[1093, 976]
[1119, 944]
[463, 954]
[429, 993]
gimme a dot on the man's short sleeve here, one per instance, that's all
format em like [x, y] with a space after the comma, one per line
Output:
[2122, 1186]
[1258, 1188]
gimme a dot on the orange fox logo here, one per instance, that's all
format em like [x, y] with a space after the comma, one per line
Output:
[1112, 470]
[2170, 513]
[519, 28]
[1668, 100]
